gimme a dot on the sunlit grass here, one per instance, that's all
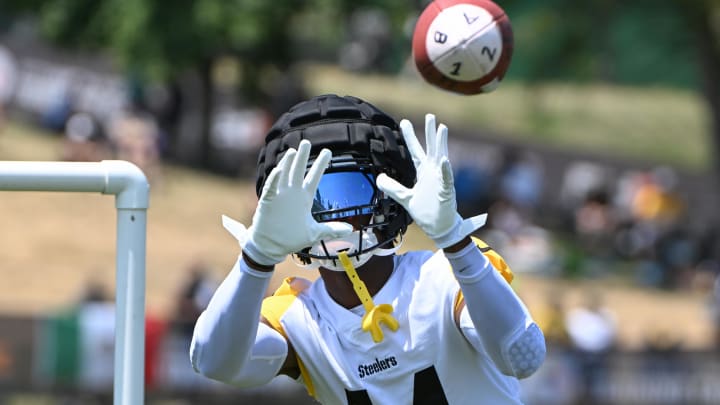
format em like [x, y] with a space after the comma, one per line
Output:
[655, 125]
[23, 142]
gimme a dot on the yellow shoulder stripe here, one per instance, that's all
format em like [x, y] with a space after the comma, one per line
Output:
[273, 308]
[497, 262]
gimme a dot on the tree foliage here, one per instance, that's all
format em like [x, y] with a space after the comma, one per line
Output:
[645, 42]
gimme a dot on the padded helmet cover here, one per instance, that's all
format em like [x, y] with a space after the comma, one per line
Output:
[346, 126]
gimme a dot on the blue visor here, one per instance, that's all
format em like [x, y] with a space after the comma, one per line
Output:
[344, 194]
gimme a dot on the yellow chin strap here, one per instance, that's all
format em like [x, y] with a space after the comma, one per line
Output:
[374, 314]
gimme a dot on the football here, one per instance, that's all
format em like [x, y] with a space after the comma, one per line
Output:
[463, 46]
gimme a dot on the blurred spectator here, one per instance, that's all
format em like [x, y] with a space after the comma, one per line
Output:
[527, 248]
[505, 217]
[471, 188]
[579, 180]
[676, 253]
[591, 325]
[8, 80]
[514, 186]
[631, 241]
[594, 220]
[155, 333]
[58, 112]
[84, 140]
[75, 346]
[164, 102]
[135, 138]
[235, 136]
[655, 198]
[96, 321]
[521, 180]
[193, 298]
[475, 173]
[651, 203]
[593, 333]
[652, 229]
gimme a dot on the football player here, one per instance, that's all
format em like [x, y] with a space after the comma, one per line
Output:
[339, 181]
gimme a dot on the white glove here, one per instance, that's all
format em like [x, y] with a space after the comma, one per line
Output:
[431, 202]
[283, 222]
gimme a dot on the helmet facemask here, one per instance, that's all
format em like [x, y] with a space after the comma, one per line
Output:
[347, 191]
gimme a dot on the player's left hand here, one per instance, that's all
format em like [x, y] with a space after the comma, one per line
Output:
[431, 202]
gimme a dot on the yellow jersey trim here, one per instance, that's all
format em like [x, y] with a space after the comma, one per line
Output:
[273, 308]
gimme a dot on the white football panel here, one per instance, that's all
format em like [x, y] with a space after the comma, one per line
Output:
[459, 65]
[453, 26]
[486, 47]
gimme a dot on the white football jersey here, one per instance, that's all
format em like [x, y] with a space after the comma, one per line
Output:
[426, 361]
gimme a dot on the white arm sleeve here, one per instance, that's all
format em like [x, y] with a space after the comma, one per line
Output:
[229, 343]
[494, 318]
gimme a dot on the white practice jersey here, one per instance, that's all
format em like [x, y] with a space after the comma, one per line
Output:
[426, 361]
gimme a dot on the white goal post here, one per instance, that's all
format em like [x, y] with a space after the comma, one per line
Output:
[131, 189]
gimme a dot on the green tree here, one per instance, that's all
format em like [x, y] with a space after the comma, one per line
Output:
[159, 41]
[702, 18]
[645, 42]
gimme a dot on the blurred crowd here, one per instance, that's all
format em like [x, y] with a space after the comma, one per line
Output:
[633, 223]
[591, 222]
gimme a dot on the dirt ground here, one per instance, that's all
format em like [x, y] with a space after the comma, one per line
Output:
[53, 244]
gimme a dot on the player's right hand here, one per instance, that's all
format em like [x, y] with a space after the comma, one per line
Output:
[283, 222]
[431, 201]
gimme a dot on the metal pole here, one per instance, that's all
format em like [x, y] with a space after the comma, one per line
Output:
[132, 191]
[127, 182]
[130, 309]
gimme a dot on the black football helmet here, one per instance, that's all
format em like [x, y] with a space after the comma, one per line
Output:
[365, 142]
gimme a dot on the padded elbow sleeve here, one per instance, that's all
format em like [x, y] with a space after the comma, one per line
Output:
[495, 316]
[527, 352]
[521, 357]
